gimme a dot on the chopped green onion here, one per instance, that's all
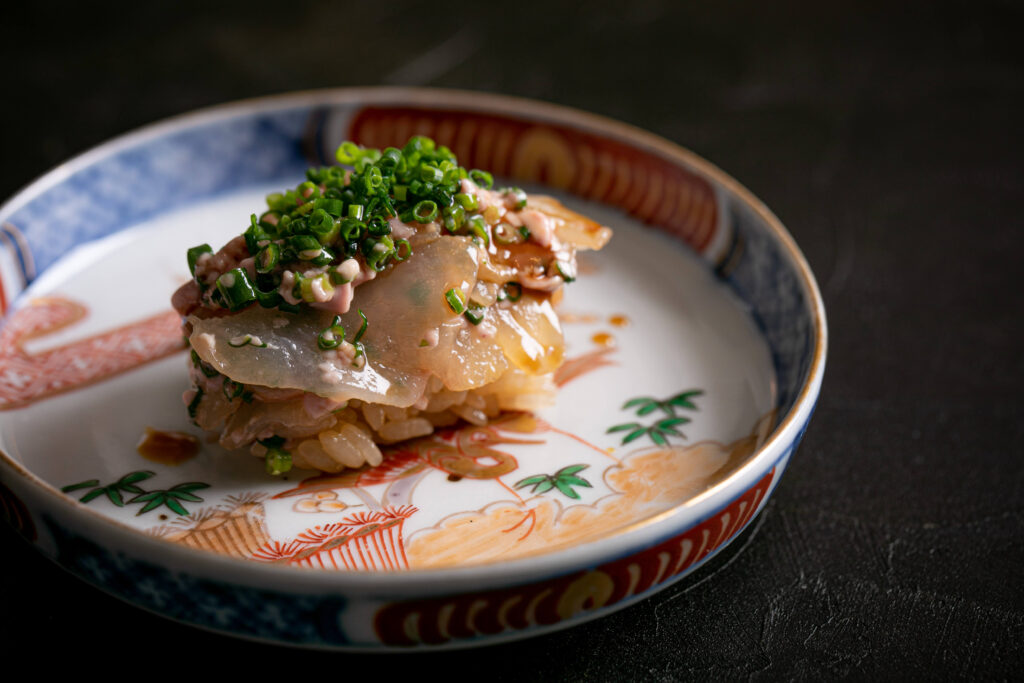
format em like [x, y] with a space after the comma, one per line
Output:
[566, 271]
[478, 227]
[403, 250]
[268, 258]
[456, 300]
[332, 336]
[270, 299]
[193, 255]
[525, 232]
[362, 328]
[236, 289]
[517, 194]
[425, 211]
[468, 202]
[247, 340]
[194, 403]
[482, 178]
[306, 287]
[356, 211]
[454, 217]
[231, 389]
[475, 314]
[277, 460]
[506, 235]
[378, 227]
[510, 291]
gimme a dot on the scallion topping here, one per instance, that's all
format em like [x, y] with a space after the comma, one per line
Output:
[506, 235]
[193, 256]
[277, 460]
[236, 289]
[362, 328]
[456, 300]
[510, 291]
[332, 336]
[425, 211]
[475, 314]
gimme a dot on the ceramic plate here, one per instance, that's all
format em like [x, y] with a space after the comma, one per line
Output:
[695, 344]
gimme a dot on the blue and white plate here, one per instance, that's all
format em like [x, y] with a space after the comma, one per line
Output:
[696, 344]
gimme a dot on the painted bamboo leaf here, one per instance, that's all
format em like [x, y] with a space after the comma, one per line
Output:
[81, 485]
[633, 436]
[544, 486]
[624, 427]
[95, 493]
[567, 490]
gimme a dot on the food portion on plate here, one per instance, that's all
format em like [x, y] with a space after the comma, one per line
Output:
[378, 300]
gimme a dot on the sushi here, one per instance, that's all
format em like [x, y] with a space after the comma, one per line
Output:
[381, 299]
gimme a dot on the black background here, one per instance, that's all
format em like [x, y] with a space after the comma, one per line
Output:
[887, 139]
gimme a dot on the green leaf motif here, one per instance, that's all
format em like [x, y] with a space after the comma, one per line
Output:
[659, 432]
[182, 495]
[81, 485]
[571, 469]
[134, 477]
[623, 427]
[567, 490]
[151, 505]
[634, 436]
[544, 486]
[575, 481]
[115, 496]
[95, 493]
[530, 481]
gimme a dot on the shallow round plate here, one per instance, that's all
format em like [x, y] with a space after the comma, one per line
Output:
[696, 347]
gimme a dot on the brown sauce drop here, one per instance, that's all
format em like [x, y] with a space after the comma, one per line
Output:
[603, 339]
[619, 320]
[167, 447]
[454, 477]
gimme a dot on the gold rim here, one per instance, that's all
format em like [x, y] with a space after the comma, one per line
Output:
[534, 110]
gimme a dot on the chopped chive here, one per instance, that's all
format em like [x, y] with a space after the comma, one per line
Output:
[425, 211]
[331, 336]
[268, 258]
[510, 291]
[482, 178]
[236, 289]
[277, 460]
[506, 235]
[362, 328]
[456, 300]
[193, 255]
[403, 250]
[478, 227]
[475, 314]
[247, 340]
[194, 403]
[565, 271]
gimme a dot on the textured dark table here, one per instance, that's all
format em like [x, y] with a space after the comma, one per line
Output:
[889, 142]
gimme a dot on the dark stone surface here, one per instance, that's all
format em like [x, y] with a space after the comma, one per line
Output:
[888, 140]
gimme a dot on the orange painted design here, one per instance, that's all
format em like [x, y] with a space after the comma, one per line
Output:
[366, 540]
[27, 378]
[16, 514]
[237, 528]
[581, 365]
[603, 339]
[472, 615]
[644, 184]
